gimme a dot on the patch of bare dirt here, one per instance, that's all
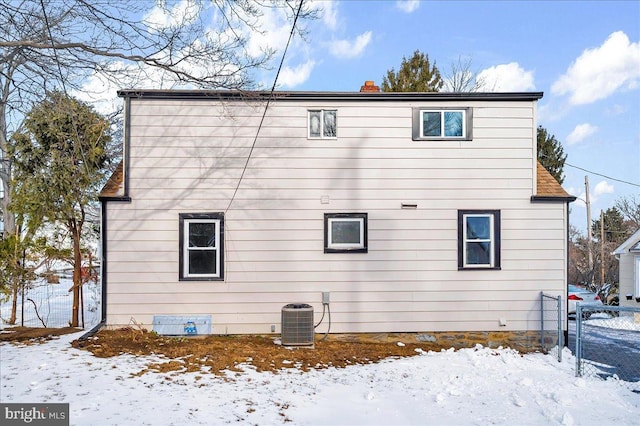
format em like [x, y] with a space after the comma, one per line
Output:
[31, 335]
[218, 353]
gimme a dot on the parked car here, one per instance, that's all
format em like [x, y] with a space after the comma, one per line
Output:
[583, 296]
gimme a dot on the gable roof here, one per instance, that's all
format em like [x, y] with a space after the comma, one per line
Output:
[114, 188]
[632, 244]
[548, 188]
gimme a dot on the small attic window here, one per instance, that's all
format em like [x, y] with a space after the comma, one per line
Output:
[442, 123]
[323, 124]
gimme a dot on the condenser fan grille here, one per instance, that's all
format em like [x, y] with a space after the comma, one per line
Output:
[297, 325]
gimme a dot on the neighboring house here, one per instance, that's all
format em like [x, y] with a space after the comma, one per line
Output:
[415, 212]
[628, 255]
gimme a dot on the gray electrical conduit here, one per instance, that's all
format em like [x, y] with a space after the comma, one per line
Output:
[328, 309]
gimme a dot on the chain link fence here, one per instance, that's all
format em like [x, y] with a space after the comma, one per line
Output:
[608, 343]
[551, 335]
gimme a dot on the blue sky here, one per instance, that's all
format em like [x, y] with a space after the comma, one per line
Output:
[584, 56]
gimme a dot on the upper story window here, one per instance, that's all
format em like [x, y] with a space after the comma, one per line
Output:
[442, 123]
[323, 124]
[479, 239]
[201, 246]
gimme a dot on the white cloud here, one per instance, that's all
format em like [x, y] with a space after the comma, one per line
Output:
[163, 17]
[579, 196]
[599, 72]
[580, 133]
[350, 49]
[291, 77]
[275, 30]
[506, 78]
[407, 6]
[602, 188]
[330, 14]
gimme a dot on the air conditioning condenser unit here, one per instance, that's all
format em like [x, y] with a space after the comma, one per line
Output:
[297, 325]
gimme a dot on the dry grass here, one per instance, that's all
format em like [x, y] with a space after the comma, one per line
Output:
[216, 354]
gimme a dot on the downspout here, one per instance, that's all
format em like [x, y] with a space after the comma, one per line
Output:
[566, 302]
[103, 272]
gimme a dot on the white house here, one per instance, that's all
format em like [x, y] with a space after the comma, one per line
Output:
[408, 212]
[628, 255]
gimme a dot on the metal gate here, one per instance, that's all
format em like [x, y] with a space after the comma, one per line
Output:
[551, 335]
[608, 343]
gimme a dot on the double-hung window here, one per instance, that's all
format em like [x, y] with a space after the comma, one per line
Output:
[442, 123]
[478, 239]
[201, 246]
[323, 124]
[345, 232]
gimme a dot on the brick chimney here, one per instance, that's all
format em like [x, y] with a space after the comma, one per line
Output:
[369, 86]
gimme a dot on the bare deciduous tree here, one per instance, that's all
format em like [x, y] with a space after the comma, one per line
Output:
[49, 45]
[630, 209]
[461, 78]
[57, 44]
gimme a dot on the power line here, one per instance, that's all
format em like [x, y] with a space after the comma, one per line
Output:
[266, 107]
[593, 173]
[601, 175]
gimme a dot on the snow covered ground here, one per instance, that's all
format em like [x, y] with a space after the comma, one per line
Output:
[475, 386]
[470, 386]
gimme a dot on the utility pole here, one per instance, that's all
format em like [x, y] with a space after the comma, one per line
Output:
[601, 247]
[588, 203]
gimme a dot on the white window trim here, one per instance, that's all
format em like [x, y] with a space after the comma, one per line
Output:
[490, 240]
[321, 111]
[344, 246]
[442, 123]
[417, 125]
[186, 249]
[362, 246]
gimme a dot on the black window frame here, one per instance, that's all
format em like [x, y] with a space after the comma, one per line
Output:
[495, 238]
[183, 273]
[417, 124]
[365, 233]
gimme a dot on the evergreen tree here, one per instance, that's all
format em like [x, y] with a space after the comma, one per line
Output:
[615, 228]
[551, 154]
[60, 162]
[415, 75]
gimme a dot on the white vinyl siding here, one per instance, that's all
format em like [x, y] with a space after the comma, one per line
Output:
[187, 156]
